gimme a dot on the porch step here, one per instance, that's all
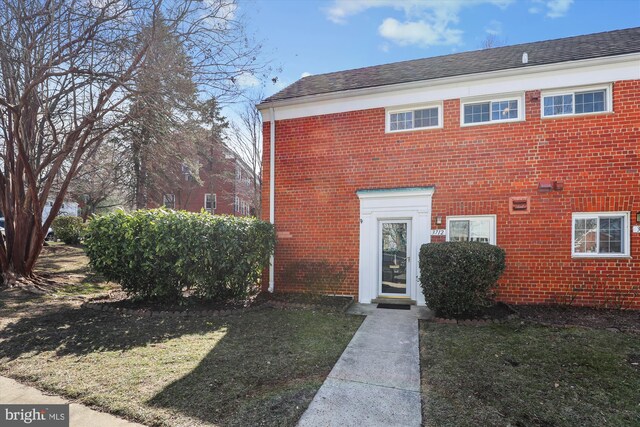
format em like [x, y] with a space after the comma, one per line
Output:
[382, 300]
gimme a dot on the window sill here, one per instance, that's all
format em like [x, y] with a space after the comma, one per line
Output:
[494, 122]
[412, 129]
[600, 256]
[567, 116]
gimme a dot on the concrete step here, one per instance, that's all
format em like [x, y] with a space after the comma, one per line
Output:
[387, 300]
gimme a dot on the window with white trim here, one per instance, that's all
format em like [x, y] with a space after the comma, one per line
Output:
[475, 112]
[600, 234]
[210, 202]
[169, 201]
[472, 228]
[236, 204]
[574, 102]
[415, 118]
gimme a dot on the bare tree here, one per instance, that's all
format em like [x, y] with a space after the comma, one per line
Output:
[100, 180]
[246, 140]
[491, 41]
[67, 75]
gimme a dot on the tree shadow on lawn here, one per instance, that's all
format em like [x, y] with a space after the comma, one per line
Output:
[76, 331]
[264, 370]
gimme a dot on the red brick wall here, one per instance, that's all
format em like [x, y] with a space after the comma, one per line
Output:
[217, 176]
[321, 161]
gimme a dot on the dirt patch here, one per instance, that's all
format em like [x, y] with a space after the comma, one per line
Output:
[323, 301]
[610, 319]
[119, 299]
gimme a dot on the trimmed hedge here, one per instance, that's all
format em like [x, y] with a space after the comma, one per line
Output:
[159, 254]
[458, 278]
[69, 229]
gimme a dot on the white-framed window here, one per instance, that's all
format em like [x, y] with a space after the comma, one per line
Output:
[169, 201]
[600, 234]
[576, 101]
[186, 172]
[478, 111]
[236, 204]
[471, 228]
[414, 118]
[210, 202]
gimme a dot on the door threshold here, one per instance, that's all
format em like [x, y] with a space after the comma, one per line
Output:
[393, 300]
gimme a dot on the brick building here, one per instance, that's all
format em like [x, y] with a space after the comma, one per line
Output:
[225, 186]
[533, 147]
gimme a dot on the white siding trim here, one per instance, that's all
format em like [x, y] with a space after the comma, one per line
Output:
[544, 77]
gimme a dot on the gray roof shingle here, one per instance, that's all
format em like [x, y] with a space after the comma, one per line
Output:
[609, 43]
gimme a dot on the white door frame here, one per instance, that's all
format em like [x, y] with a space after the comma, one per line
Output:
[400, 203]
[409, 260]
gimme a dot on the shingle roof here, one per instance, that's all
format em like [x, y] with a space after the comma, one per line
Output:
[610, 43]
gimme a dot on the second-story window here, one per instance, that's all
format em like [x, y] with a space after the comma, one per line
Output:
[572, 102]
[491, 110]
[414, 118]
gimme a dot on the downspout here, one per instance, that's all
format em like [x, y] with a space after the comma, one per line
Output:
[272, 185]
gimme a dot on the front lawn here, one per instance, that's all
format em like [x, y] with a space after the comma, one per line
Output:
[259, 368]
[522, 374]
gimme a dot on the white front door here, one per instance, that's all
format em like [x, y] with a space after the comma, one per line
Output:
[394, 251]
[394, 223]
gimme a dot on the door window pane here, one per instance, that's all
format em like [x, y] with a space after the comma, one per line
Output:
[394, 258]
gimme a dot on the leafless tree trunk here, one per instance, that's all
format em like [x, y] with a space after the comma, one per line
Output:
[67, 69]
[246, 140]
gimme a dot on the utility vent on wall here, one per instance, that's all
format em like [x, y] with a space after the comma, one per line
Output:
[519, 205]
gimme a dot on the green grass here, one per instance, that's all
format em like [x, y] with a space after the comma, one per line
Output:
[527, 375]
[69, 266]
[260, 368]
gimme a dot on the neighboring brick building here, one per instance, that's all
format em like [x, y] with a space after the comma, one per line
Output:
[225, 186]
[533, 147]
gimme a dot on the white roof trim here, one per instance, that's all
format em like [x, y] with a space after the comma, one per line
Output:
[629, 65]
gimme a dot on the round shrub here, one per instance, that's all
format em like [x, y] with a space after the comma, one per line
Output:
[458, 278]
[160, 254]
[69, 229]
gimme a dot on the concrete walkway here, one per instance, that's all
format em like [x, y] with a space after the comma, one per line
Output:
[12, 391]
[376, 381]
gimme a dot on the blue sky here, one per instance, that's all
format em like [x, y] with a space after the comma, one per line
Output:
[308, 36]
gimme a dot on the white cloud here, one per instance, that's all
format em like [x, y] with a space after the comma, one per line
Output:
[425, 23]
[494, 28]
[385, 47]
[558, 8]
[305, 74]
[418, 32]
[555, 8]
[247, 80]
